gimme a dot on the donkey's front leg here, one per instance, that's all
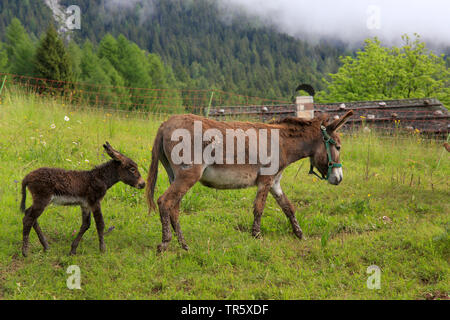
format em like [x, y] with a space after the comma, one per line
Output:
[286, 206]
[264, 183]
[100, 224]
[86, 223]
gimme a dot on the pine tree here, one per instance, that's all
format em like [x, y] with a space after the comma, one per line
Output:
[52, 60]
[3, 58]
[19, 49]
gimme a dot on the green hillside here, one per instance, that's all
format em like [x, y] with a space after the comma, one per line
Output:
[193, 39]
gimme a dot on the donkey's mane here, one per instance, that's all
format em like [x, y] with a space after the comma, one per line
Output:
[103, 165]
[300, 121]
[301, 127]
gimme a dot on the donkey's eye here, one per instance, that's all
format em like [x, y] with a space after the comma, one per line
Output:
[133, 170]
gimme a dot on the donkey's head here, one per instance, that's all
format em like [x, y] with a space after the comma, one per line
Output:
[327, 150]
[127, 169]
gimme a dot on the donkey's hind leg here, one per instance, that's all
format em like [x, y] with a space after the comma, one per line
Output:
[30, 220]
[40, 235]
[169, 205]
[174, 220]
[264, 184]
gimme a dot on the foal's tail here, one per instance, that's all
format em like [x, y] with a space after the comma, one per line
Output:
[153, 172]
[24, 195]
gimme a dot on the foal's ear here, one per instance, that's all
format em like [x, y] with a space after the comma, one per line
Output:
[337, 124]
[115, 155]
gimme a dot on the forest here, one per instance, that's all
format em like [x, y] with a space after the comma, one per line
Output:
[197, 47]
[185, 45]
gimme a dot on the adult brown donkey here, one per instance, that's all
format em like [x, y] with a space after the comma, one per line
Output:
[193, 148]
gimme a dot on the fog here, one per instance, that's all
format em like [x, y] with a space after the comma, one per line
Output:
[346, 20]
[352, 21]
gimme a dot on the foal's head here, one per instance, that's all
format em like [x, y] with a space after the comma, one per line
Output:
[127, 170]
[327, 150]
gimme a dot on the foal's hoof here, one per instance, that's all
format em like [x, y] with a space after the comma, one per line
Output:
[185, 247]
[257, 234]
[162, 247]
[25, 254]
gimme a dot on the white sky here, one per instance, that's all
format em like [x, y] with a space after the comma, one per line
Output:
[348, 19]
[345, 20]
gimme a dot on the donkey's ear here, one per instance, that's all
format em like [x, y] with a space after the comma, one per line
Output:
[338, 123]
[115, 155]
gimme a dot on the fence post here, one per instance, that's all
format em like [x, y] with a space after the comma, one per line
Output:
[209, 105]
[442, 153]
[305, 107]
[3, 84]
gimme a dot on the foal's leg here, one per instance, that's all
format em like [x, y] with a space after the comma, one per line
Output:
[264, 183]
[286, 206]
[84, 227]
[30, 220]
[40, 235]
[169, 205]
[100, 224]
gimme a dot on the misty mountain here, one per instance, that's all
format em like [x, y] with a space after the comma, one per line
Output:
[205, 47]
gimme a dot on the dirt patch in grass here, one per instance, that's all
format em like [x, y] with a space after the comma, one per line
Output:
[15, 265]
[437, 295]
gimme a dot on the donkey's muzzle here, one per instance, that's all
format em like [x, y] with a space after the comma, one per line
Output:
[141, 184]
[334, 180]
[336, 177]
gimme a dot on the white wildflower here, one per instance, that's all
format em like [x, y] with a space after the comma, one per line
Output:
[53, 126]
[66, 118]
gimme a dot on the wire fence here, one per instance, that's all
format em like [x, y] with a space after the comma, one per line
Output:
[165, 101]
[390, 118]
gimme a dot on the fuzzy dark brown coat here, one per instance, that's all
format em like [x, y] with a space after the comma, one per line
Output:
[68, 188]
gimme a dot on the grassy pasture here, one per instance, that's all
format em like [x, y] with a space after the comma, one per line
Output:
[392, 210]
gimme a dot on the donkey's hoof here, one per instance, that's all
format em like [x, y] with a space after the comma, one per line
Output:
[299, 234]
[257, 234]
[185, 247]
[162, 247]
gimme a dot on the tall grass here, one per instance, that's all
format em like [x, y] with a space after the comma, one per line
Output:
[391, 210]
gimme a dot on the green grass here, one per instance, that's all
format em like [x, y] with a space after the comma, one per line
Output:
[391, 210]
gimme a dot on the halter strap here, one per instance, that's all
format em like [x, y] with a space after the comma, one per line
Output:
[331, 164]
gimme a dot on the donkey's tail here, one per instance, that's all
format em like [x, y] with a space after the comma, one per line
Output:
[24, 195]
[153, 172]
